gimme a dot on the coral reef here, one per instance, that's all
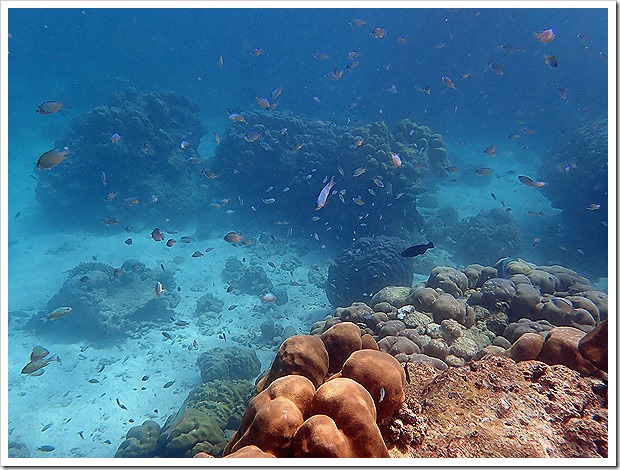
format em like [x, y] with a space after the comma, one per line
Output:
[575, 173]
[147, 160]
[304, 411]
[108, 303]
[365, 267]
[490, 235]
[140, 442]
[297, 153]
[228, 364]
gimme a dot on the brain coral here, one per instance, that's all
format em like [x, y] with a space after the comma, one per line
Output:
[366, 267]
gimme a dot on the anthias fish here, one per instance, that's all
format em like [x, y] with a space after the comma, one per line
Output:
[416, 250]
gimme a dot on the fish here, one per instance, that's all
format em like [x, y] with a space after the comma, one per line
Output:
[393, 90]
[251, 135]
[356, 142]
[359, 171]
[491, 150]
[51, 158]
[230, 288]
[399, 195]
[128, 242]
[111, 196]
[232, 307]
[46, 427]
[170, 243]
[321, 55]
[169, 384]
[220, 61]
[358, 200]
[593, 207]
[378, 182]
[157, 235]
[207, 250]
[158, 289]
[209, 174]
[275, 94]
[46, 448]
[81, 434]
[401, 40]
[270, 200]
[194, 160]
[263, 102]
[334, 75]
[120, 405]
[416, 250]
[232, 237]
[322, 198]
[453, 169]
[357, 22]
[484, 171]
[396, 160]
[185, 240]
[131, 201]
[381, 394]
[545, 36]
[514, 136]
[350, 66]
[494, 196]
[127, 229]
[236, 117]
[166, 335]
[378, 32]
[257, 52]
[296, 147]
[496, 68]
[465, 75]
[58, 313]
[562, 92]
[35, 368]
[38, 353]
[371, 191]
[448, 82]
[184, 144]
[115, 137]
[93, 381]
[50, 107]
[551, 61]
[269, 297]
[527, 130]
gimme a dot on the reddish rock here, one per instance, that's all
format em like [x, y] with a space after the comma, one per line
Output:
[498, 408]
[561, 347]
[526, 348]
[594, 346]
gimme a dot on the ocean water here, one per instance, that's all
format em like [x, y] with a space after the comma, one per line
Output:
[477, 77]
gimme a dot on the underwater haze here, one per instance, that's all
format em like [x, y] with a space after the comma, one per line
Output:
[186, 181]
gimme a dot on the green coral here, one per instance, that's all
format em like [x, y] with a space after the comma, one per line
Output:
[141, 441]
[191, 432]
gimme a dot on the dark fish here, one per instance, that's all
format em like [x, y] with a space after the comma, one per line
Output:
[107, 441]
[18, 214]
[84, 279]
[197, 254]
[185, 240]
[129, 241]
[46, 448]
[93, 381]
[46, 427]
[551, 61]
[484, 171]
[81, 433]
[181, 323]
[157, 235]
[109, 221]
[120, 405]
[127, 229]
[170, 242]
[232, 307]
[162, 267]
[168, 384]
[416, 250]
[271, 264]
[208, 249]
[493, 196]
[230, 288]
[407, 376]
[145, 378]
[166, 335]
[51, 158]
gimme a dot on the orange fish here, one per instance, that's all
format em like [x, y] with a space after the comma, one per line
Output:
[378, 33]
[232, 237]
[257, 52]
[158, 289]
[269, 297]
[51, 158]
[545, 36]
[491, 150]
[50, 107]
[131, 201]
[396, 160]
[448, 82]
[484, 171]
[217, 138]
[263, 102]
[157, 235]
[334, 75]
[247, 242]
[170, 243]
[109, 221]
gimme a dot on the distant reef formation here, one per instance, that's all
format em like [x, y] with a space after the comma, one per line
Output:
[576, 174]
[374, 192]
[130, 148]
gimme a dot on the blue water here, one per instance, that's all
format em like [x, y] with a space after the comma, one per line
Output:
[83, 56]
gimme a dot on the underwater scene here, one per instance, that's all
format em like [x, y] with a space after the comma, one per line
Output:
[307, 232]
